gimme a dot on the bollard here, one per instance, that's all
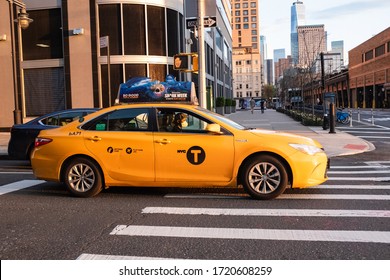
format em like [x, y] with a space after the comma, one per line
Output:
[332, 119]
[350, 118]
[372, 117]
[358, 114]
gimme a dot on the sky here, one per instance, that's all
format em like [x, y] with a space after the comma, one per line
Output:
[352, 21]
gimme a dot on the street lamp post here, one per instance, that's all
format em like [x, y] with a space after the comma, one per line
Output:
[23, 22]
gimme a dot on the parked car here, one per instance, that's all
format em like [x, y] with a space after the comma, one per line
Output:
[176, 145]
[23, 136]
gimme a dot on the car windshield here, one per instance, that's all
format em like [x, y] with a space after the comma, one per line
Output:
[223, 119]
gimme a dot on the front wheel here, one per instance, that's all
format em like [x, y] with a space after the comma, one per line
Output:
[83, 178]
[264, 177]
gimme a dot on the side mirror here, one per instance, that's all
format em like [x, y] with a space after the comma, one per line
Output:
[214, 128]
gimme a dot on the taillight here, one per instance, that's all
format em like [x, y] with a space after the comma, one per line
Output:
[41, 141]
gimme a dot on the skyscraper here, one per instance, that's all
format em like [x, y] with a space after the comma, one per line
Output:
[247, 61]
[338, 47]
[311, 42]
[297, 19]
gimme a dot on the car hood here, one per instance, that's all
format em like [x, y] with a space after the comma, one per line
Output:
[288, 137]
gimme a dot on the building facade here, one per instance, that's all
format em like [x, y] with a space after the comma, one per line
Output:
[311, 41]
[76, 53]
[369, 72]
[246, 49]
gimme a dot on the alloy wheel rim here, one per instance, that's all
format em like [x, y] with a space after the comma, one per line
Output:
[264, 178]
[81, 177]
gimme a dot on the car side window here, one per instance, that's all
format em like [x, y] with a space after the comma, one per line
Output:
[136, 119]
[175, 120]
[63, 119]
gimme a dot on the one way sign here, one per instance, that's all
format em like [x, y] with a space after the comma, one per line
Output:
[207, 22]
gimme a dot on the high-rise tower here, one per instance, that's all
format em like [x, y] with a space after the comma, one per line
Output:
[297, 19]
[247, 60]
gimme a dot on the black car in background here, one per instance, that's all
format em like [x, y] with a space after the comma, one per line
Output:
[23, 136]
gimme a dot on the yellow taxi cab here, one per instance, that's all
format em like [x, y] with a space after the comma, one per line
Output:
[170, 144]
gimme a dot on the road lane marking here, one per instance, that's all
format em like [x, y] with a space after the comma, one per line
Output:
[354, 187]
[267, 212]
[19, 185]
[115, 257]
[288, 196]
[360, 172]
[254, 234]
[374, 179]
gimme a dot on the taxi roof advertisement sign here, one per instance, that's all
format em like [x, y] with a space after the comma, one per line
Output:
[144, 89]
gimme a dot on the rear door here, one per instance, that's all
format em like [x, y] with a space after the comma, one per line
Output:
[123, 142]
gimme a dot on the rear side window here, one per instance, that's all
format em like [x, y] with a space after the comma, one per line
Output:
[136, 119]
[64, 118]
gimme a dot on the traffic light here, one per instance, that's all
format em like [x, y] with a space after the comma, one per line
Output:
[181, 62]
[187, 62]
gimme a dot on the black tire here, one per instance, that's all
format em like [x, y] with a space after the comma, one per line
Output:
[264, 177]
[83, 177]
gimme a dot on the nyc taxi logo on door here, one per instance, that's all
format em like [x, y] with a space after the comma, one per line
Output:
[195, 155]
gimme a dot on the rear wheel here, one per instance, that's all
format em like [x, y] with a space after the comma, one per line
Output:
[264, 177]
[83, 177]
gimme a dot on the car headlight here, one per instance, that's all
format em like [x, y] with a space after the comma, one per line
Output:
[307, 149]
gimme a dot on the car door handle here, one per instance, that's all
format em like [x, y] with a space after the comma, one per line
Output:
[163, 141]
[94, 139]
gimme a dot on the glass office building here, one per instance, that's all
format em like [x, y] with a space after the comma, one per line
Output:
[297, 19]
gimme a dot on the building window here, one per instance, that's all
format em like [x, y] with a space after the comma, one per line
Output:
[253, 18]
[253, 4]
[156, 23]
[45, 90]
[388, 46]
[380, 50]
[135, 70]
[254, 32]
[110, 25]
[173, 32]
[246, 19]
[238, 19]
[246, 26]
[245, 5]
[237, 5]
[158, 71]
[245, 12]
[134, 38]
[43, 39]
[369, 55]
[237, 13]
[254, 25]
[238, 26]
[253, 12]
[254, 39]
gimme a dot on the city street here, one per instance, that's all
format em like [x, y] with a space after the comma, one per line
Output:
[346, 218]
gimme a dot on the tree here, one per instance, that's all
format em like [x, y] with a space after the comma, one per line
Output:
[269, 91]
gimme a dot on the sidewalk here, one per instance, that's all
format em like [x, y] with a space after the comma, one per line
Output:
[335, 144]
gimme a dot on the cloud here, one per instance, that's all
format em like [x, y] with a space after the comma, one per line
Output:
[350, 9]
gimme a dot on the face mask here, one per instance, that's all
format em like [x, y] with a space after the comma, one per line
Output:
[184, 124]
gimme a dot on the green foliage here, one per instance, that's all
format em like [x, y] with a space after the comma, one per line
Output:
[228, 102]
[220, 102]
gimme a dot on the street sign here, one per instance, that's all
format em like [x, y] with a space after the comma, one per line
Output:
[103, 42]
[207, 22]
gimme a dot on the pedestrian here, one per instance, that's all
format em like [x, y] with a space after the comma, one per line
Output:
[252, 104]
[262, 106]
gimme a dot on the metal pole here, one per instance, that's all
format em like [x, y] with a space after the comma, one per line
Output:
[350, 118]
[201, 56]
[358, 114]
[109, 71]
[17, 111]
[332, 121]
